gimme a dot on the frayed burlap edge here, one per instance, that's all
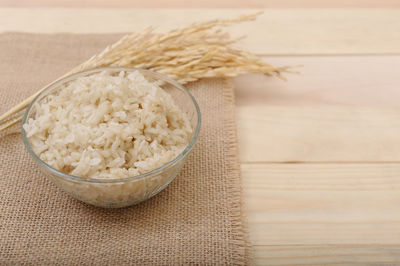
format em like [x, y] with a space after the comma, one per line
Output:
[239, 221]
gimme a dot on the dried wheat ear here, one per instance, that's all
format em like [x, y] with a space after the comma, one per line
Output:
[201, 50]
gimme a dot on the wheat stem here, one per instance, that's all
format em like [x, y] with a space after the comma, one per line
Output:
[200, 50]
[11, 123]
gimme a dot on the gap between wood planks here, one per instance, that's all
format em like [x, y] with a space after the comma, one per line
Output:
[322, 162]
[267, 55]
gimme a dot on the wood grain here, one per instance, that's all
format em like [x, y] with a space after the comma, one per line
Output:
[327, 254]
[323, 213]
[203, 3]
[318, 134]
[277, 32]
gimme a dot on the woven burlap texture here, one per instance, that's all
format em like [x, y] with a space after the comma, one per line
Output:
[195, 220]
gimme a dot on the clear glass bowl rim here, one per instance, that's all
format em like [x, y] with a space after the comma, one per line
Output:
[126, 179]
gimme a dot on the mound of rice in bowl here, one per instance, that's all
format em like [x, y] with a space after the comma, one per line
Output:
[108, 126]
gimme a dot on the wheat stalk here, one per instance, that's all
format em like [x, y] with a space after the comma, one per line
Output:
[200, 50]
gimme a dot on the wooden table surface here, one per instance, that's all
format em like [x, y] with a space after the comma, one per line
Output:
[320, 153]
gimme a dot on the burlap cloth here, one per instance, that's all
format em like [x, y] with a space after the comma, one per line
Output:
[195, 220]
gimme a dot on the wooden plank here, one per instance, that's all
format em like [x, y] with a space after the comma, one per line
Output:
[326, 254]
[322, 204]
[203, 3]
[325, 81]
[277, 32]
[318, 134]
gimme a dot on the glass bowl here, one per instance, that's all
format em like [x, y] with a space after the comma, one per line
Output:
[116, 193]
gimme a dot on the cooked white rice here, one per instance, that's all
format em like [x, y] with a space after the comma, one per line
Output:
[105, 126]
